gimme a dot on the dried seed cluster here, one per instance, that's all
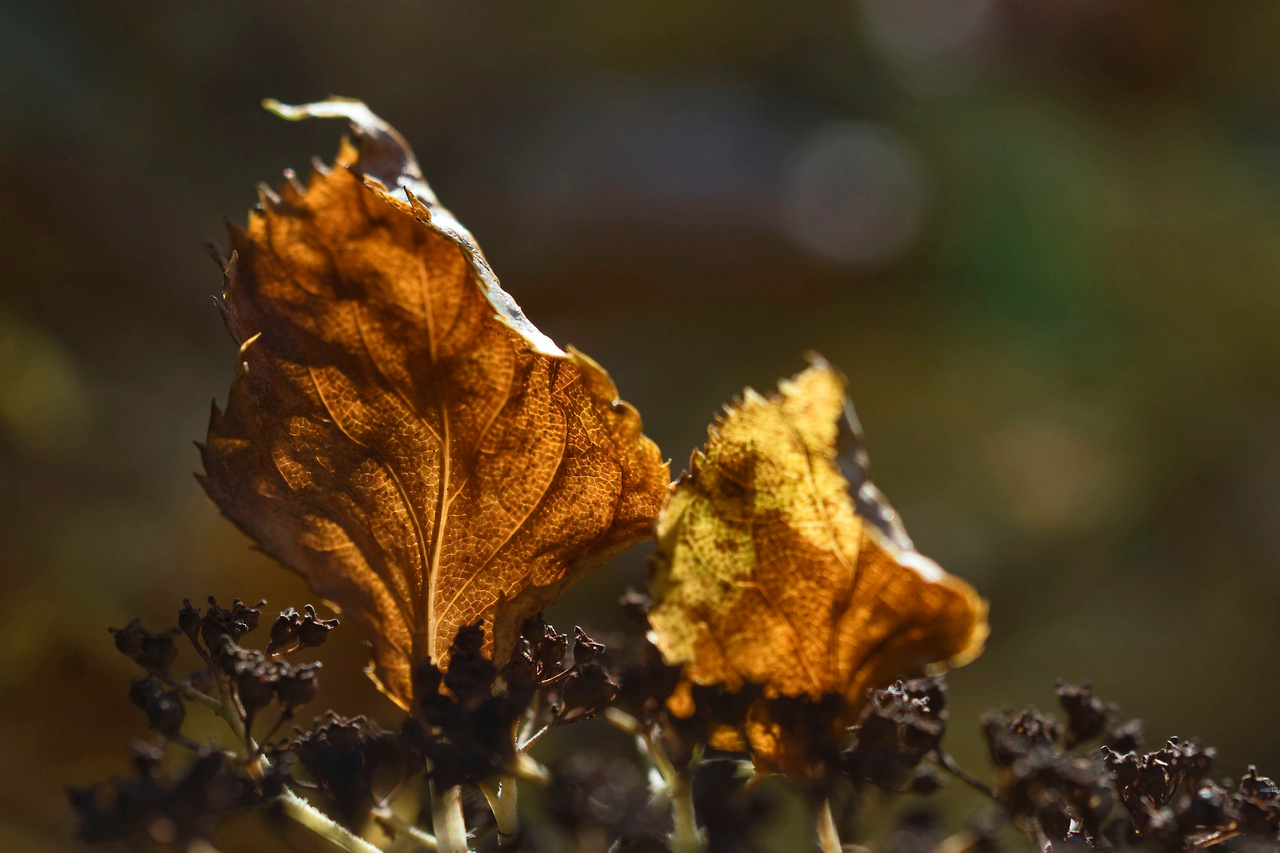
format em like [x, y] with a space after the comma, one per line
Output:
[173, 802]
[1082, 783]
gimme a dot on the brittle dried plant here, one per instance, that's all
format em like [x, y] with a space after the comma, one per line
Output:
[439, 471]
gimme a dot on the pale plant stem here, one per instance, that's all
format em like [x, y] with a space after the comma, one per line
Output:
[530, 723]
[1217, 837]
[192, 693]
[502, 800]
[828, 836]
[686, 837]
[316, 821]
[294, 806]
[226, 709]
[658, 756]
[447, 821]
[528, 742]
[390, 818]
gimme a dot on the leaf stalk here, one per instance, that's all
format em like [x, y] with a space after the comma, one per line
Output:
[447, 820]
[828, 835]
[501, 794]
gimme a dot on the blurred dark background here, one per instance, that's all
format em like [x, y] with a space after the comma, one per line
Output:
[1042, 238]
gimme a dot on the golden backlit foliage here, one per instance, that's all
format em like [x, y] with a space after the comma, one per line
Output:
[399, 434]
[405, 439]
[780, 564]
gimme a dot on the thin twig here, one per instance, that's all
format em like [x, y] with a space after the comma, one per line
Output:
[1213, 838]
[537, 736]
[750, 786]
[386, 799]
[653, 749]
[197, 747]
[294, 806]
[192, 693]
[963, 775]
[280, 721]
[389, 818]
[557, 677]
[531, 715]
[828, 835]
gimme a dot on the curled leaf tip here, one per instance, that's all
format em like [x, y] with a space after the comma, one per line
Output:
[334, 106]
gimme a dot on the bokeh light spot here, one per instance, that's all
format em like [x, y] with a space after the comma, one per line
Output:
[926, 30]
[855, 195]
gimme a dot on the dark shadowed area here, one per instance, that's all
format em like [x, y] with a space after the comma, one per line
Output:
[1042, 239]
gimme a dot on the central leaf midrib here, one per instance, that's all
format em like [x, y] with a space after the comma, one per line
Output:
[442, 502]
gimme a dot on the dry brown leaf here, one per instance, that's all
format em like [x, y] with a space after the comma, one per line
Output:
[399, 434]
[780, 564]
